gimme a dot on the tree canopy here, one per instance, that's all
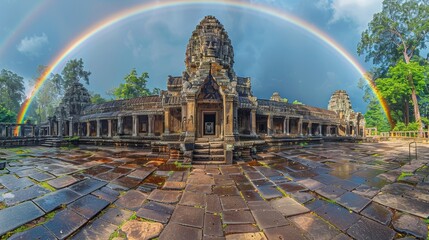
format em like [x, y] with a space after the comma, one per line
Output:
[134, 86]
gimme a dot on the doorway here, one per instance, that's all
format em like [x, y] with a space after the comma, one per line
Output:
[209, 123]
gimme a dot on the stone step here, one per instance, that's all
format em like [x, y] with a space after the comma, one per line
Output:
[209, 162]
[216, 145]
[201, 145]
[202, 151]
[216, 151]
[208, 158]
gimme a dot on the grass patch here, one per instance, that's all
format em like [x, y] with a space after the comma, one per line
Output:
[2, 205]
[133, 217]
[282, 191]
[404, 175]
[375, 155]
[47, 186]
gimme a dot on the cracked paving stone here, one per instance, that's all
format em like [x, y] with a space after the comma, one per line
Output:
[13, 183]
[233, 203]
[337, 215]
[353, 201]
[237, 217]
[88, 206]
[378, 212]
[179, 232]
[38, 232]
[314, 226]
[99, 229]
[288, 207]
[212, 225]
[269, 218]
[411, 225]
[156, 212]
[13, 217]
[213, 204]
[62, 182]
[116, 216]
[87, 186]
[165, 196]
[42, 176]
[365, 228]
[136, 230]
[54, 200]
[366, 191]
[131, 200]
[247, 236]
[330, 192]
[188, 216]
[240, 228]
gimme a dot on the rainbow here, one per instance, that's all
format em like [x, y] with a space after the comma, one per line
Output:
[152, 6]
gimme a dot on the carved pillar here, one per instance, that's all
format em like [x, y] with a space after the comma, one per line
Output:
[253, 121]
[120, 125]
[109, 128]
[88, 128]
[300, 126]
[286, 126]
[98, 127]
[167, 121]
[2, 127]
[270, 124]
[135, 122]
[228, 108]
[328, 130]
[320, 129]
[337, 129]
[150, 125]
[309, 132]
[190, 118]
[60, 128]
[184, 118]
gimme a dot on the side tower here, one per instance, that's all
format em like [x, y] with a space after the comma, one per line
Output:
[352, 123]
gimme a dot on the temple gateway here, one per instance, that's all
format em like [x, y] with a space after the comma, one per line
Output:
[207, 115]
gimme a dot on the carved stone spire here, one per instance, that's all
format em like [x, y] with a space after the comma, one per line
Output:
[340, 103]
[209, 43]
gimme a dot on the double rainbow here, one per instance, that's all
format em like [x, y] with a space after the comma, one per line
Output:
[153, 6]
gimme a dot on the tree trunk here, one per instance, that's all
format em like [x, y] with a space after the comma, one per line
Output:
[414, 97]
[406, 112]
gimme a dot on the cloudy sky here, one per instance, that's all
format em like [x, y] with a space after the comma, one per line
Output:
[277, 55]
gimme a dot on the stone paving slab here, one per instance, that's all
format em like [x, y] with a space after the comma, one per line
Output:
[13, 183]
[65, 223]
[169, 185]
[54, 200]
[42, 176]
[22, 195]
[212, 225]
[131, 200]
[188, 216]
[87, 186]
[180, 232]
[13, 217]
[193, 199]
[314, 226]
[226, 190]
[330, 192]
[237, 217]
[412, 206]
[285, 232]
[409, 224]
[88, 206]
[269, 218]
[200, 188]
[62, 182]
[365, 228]
[288, 207]
[99, 229]
[213, 204]
[116, 216]
[240, 228]
[311, 184]
[107, 194]
[233, 203]
[165, 196]
[141, 230]
[378, 212]
[337, 215]
[39, 232]
[156, 212]
[246, 236]
[302, 197]
[353, 201]
[366, 191]
[269, 192]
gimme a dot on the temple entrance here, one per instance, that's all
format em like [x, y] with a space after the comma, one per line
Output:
[209, 123]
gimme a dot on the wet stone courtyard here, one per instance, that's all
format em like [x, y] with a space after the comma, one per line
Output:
[329, 191]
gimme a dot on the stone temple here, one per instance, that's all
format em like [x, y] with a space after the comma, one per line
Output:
[208, 114]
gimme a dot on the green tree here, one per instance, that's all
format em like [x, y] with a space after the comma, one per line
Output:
[73, 72]
[399, 31]
[297, 102]
[134, 86]
[11, 90]
[375, 117]
[96, 98]
[7, 115]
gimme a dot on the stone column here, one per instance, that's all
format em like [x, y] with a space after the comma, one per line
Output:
[253, 121]
[309, 128]
[167, 121]
[337, 130]
[71, 128]
[109, 128]
[33, 133]
[190, 118]
[98, 128]
[60, 128]
[150, 125]
[320, 129]
[300, 126]
[328, 130]
[3, 132]
[88, 128]
[120, 125]
[287, 126]
[229, 118]
[270, 125]
[135, 122]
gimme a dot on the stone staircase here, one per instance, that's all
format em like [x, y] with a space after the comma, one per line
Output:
[52, 142]
[210, 152]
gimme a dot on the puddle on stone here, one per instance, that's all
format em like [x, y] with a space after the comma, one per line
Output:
[154, 179]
